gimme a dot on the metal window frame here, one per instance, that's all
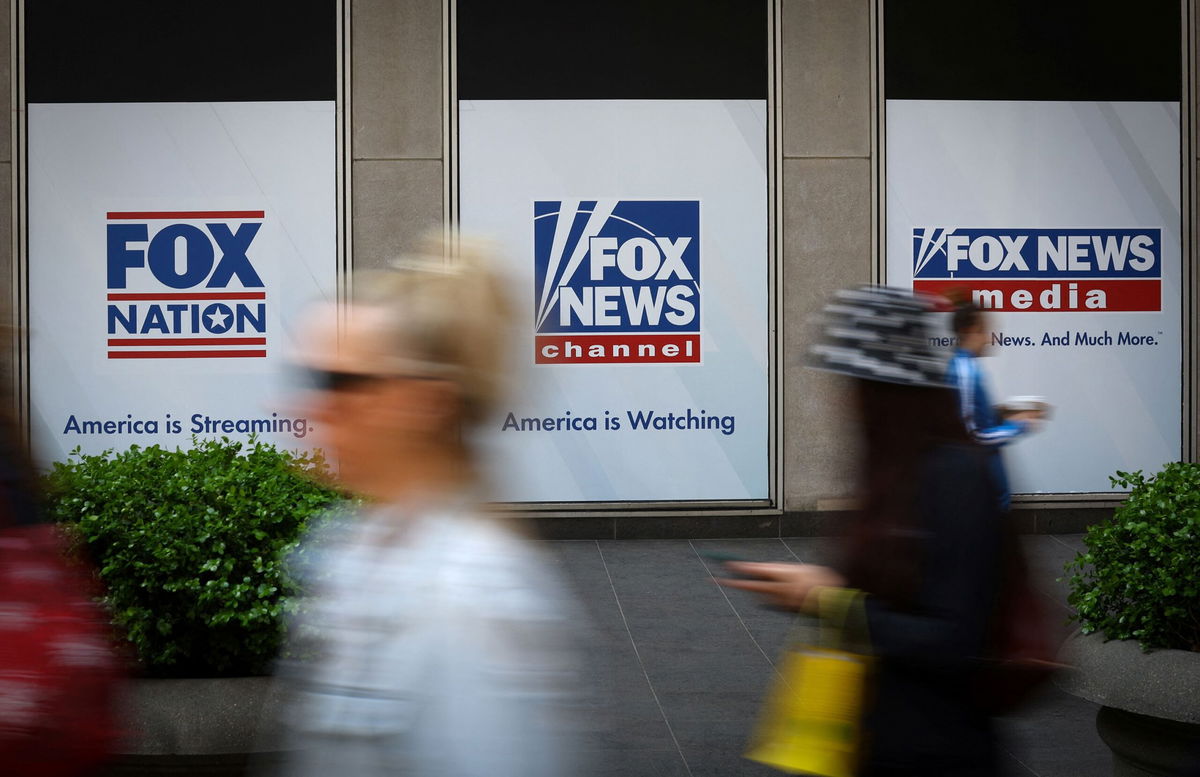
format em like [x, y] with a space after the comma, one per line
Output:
[19, 310]
[773, 504]
[18, 314]
[345, 155]
[1189, 182]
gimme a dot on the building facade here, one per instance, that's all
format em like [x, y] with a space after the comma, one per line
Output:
[827, 74]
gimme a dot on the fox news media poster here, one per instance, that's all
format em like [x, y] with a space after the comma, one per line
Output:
[635, 236]
[171, 246]
[1063, 219]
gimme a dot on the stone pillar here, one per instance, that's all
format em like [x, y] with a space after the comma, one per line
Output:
[7, 93]
[397, 152]
[826, 102]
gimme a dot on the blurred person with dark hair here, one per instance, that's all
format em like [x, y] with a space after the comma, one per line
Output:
[442, 643]
[927, 547]
[979, 414]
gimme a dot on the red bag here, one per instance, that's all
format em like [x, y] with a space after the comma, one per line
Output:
[59, 674]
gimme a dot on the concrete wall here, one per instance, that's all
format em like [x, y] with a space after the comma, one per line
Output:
[827, 107]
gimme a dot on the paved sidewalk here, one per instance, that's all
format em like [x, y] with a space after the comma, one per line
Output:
[687, 661]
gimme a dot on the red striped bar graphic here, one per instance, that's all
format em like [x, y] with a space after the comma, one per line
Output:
[148, 341]
[145, 215]
[186, 354]
[131, 296]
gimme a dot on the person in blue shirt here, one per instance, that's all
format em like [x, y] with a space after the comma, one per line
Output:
[985, 424]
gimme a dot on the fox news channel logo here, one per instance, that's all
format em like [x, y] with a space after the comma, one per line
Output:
[1042, 270]
[616, 281]
[181, 285]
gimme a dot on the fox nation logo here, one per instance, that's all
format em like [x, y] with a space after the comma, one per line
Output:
[1042, 270]
[616, 281]
[181, 285]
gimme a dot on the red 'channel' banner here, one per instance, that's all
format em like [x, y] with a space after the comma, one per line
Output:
[617, 349]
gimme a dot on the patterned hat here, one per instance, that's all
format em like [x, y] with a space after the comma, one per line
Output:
[879, 333]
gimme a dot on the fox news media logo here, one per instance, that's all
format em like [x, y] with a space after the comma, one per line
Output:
[181, 285]
[616, 281]
[1040, 270]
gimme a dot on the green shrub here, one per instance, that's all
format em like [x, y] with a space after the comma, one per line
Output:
[1140, 578]
[189, 546]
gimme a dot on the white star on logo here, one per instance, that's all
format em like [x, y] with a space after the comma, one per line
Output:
[218, 319]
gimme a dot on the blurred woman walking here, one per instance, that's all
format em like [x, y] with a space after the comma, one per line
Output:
[439, 638]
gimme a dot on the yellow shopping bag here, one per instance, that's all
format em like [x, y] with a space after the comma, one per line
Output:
[811, 723]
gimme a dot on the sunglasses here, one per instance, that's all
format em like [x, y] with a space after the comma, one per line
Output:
[339, 380]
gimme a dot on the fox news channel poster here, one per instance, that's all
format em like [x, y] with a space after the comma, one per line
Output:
[1063, 218]
[171, 247]
[635, 235]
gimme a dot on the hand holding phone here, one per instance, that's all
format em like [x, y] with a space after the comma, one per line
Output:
[782, 584]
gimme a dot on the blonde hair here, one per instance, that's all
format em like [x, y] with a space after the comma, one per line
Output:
[445, 313]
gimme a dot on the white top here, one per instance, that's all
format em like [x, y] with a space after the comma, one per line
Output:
[443, 646]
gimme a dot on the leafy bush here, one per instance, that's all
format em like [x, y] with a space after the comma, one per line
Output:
[1139, 578]
[189, 546]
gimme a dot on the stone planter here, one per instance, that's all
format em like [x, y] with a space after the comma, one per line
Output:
[1150, 711]
[197, 727]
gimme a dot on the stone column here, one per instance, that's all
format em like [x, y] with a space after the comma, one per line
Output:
[396, 145]
[827, 103]
[7, 94]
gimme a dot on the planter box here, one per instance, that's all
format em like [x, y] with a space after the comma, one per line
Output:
[198, 727]
[1150, 712]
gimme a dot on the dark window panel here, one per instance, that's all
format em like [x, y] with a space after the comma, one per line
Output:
[619, 49]
[1032, 50]
[164, 51]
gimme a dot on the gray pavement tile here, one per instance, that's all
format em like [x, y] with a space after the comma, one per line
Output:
[737, 708]
[771, 549]
[814, 550]
[1055, 736]
[705, 672]
[770, 631]
[641, 733]
[1049, 548]
[658, 617]
[692, 610]
[635, 762]
[1073, 541]
[648, 549]
[705, 657]
[716, 749]
[599, 625]
[568, 547]
[618, 681]
[656, 568]
[673, 670]
[1011, 766]
[580, 563]
[1047, 559]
